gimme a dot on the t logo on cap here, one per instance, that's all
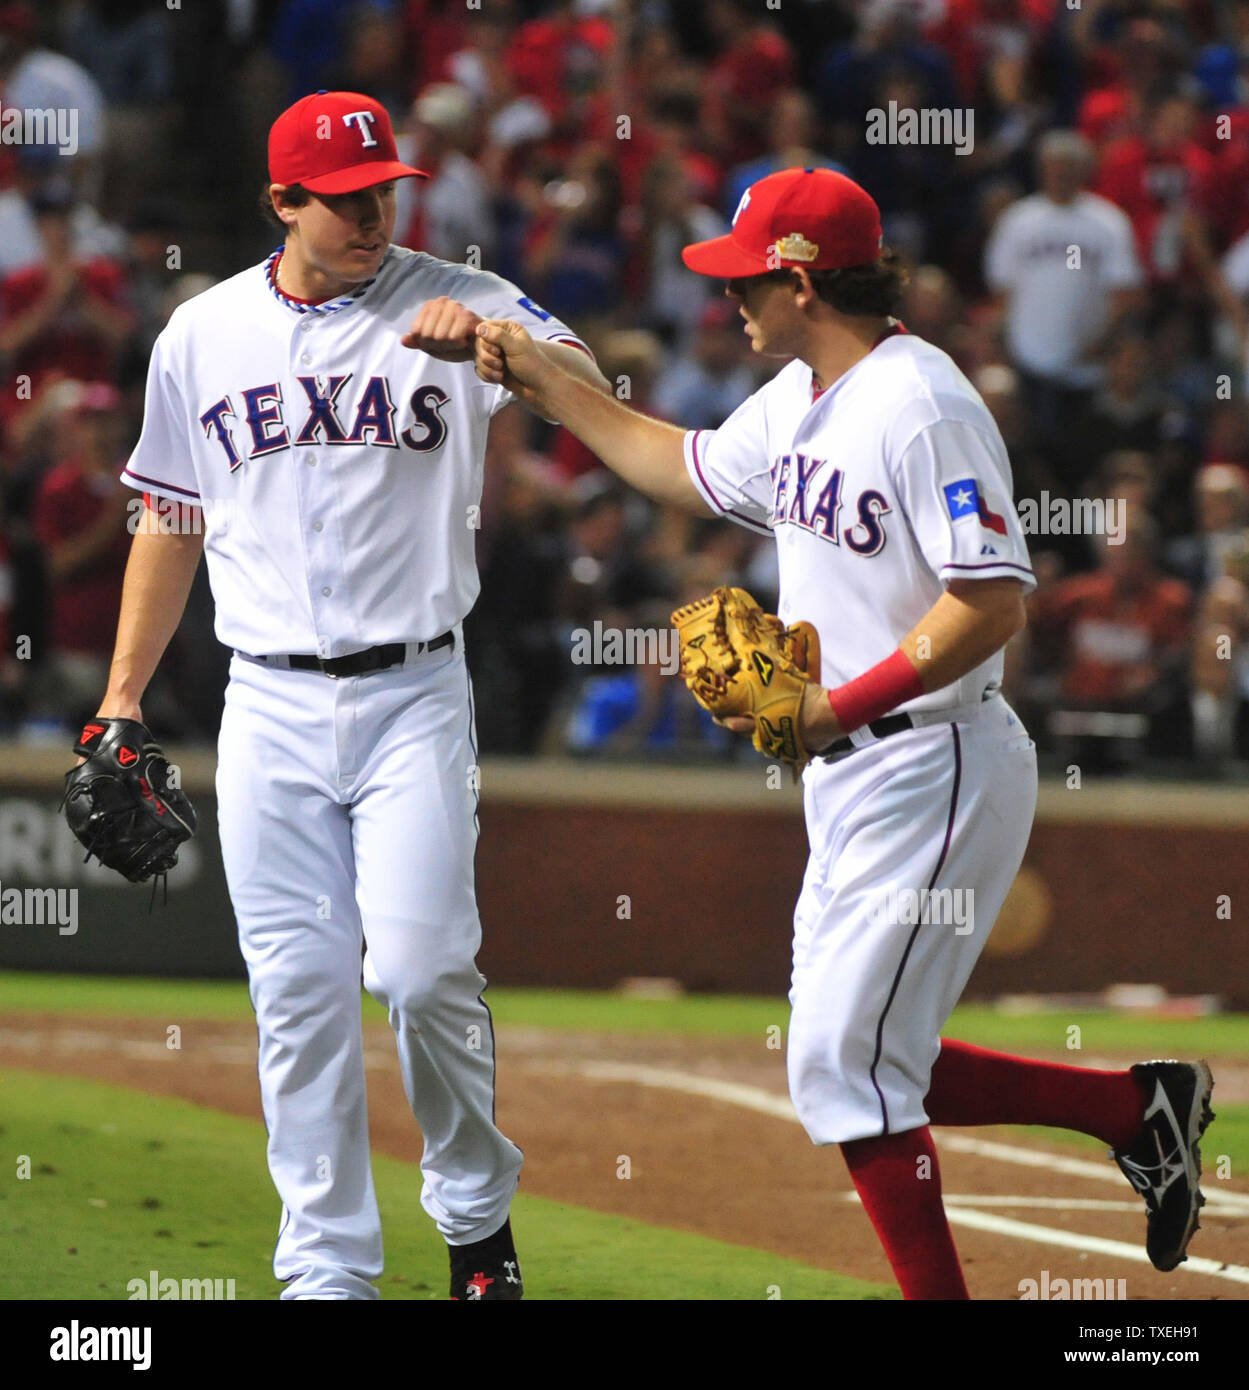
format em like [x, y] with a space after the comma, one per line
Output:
[363, 121]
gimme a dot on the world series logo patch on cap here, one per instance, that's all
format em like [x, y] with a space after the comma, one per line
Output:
[795, 247]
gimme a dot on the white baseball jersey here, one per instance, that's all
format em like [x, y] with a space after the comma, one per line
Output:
[891, 483]
[339, 472]
[1057, 307]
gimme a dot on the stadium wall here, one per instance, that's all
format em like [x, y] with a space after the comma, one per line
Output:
[590, 873]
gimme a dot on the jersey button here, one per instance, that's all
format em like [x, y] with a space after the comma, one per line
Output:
[310, 460]
[318, 526]
[306, 358]
[327, 591]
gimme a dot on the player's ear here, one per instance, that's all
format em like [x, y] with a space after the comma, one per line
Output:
[804, 290]
[277, 196]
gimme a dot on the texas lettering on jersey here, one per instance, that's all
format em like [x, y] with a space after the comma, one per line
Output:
[898, 463]
[266, 424]
[289, 427]
[801, 498]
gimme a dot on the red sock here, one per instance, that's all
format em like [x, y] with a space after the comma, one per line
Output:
[902, 1195]
[972, 1086]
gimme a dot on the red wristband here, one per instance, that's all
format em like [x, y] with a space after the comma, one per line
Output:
[876, 692]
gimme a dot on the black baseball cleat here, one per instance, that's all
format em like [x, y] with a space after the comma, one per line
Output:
[1163, 1162]
[486, 1270]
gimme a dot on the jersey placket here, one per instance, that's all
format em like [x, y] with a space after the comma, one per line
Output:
[316, 492]
[792, 480]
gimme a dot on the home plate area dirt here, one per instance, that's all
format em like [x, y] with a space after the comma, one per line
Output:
[703, 1130]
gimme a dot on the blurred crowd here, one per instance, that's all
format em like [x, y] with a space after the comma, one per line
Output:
[1084, 258]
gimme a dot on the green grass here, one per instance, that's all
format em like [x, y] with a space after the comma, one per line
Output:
[604, 1011]
[573, 1010]
[121, 996]
[704, 1015]
[122, 1182]
[1227, 1034]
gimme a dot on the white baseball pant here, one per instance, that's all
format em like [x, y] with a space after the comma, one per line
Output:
[915, 841]
[347, 812]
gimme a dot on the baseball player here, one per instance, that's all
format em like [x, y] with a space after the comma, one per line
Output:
[878, 470]
[320, 411]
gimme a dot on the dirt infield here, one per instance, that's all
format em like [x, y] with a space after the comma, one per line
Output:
[726, 1163]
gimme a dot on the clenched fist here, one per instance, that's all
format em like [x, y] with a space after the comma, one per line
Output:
[506, 355]
[444, 329]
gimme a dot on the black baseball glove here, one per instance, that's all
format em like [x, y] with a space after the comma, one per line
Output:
[119, 802]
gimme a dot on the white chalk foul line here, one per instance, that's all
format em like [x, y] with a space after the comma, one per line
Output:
[664, 1078]
[966, 1199]
[1217, 1202]
[1097, 1245]
[766, 1103]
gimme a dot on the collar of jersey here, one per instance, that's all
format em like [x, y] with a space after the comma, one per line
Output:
[892, 331]
[327, 306]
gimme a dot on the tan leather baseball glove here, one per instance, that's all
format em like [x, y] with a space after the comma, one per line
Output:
[739, 660]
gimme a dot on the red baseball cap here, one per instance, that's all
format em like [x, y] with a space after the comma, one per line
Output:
[810, 217]
[335, 142]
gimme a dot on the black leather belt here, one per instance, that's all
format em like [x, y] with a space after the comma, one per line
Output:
[371, 659]
[881, 728]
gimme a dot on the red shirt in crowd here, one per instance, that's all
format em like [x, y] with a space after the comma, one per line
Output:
[560, 61]
[974, 32]
[1111, 635]
[85, 604]
[1226, 137]
[1154, 187]
[69, 345]
[741, 88]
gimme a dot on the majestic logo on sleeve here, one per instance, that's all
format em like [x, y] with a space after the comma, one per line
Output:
[806, 496]
[329, 412]
[963, 499]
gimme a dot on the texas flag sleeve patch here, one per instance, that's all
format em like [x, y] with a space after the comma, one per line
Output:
[963, 499]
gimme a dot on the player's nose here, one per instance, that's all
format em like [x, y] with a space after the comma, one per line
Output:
[369, 207]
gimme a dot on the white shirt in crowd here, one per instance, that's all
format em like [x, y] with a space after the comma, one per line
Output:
[19, 234]
[44, 81]
[455, 207]
[1059, 264]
